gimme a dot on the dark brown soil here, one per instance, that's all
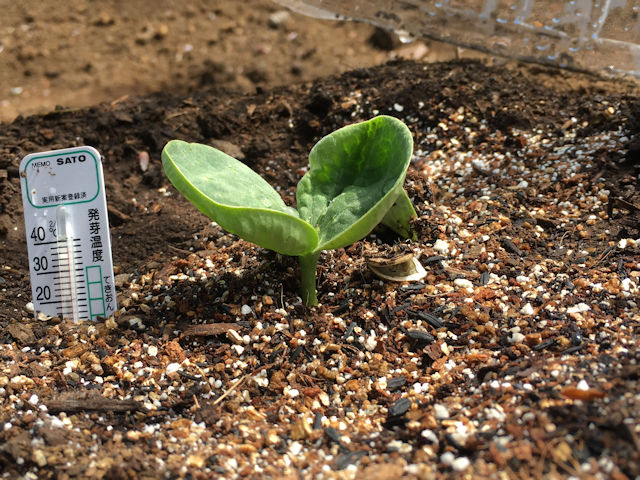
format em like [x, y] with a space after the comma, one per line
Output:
[529, 371]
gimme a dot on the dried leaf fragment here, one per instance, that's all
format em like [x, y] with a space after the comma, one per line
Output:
[586, 395]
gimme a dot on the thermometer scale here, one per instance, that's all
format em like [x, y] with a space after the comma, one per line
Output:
[68, 238]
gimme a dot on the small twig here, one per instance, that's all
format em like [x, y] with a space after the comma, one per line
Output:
[119, 100]
[90, 401]
[569, 465]
[231, 389]
[204, 377]
[464, 273]
[179, 113]
[598, 175]
[626, 204]
[281, 296]
[241, 381]
[605, 254]
[210, 329]
[180, 250]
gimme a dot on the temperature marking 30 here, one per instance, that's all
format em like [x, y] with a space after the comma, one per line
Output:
[69, 245]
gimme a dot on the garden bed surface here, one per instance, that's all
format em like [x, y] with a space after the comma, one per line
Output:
[517, 354]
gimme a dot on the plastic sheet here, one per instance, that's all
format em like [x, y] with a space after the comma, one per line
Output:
[585, 35]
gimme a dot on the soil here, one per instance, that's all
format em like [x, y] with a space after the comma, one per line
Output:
[85, 54]
[516, 356]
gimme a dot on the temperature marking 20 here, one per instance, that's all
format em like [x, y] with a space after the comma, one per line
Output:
[68, 239]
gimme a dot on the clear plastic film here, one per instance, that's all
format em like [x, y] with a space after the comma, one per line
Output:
[584, 35]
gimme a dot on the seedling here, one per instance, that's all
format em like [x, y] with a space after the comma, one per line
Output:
[355, 181]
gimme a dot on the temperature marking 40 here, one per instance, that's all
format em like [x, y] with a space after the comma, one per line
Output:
[68, 234]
